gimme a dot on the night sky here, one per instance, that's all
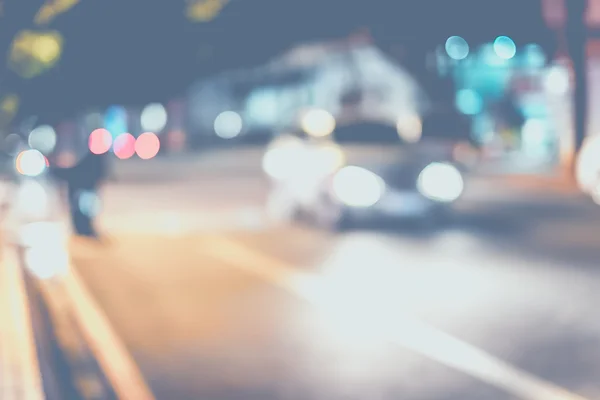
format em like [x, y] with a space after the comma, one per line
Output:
[137, 51]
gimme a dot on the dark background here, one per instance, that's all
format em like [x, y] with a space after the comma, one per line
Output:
[134, 51]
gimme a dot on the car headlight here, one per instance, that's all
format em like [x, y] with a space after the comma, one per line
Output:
[293, 159]
[357, 187]
[284, 158]
[441, 182]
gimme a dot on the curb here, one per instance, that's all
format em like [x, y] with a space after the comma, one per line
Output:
[45, 369]
[102, 368]
[80, 357]
[20, 374]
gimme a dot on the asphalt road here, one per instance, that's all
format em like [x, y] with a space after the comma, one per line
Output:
[213, 302]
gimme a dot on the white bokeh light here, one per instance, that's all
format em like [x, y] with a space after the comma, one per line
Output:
[154, 117]
[43, 139]
[441, 182]
[534, 136]
[31, 163]
[410, 127]
[228, 125]
[318, 123]
[557, 80]
[357, 187]
[32, 200]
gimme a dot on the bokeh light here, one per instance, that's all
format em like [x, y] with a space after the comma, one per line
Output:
[33, 52]
[204, 10]
[285, 158]
[176, 140]
[100, 141]
[32, 199]
[457, 48]
[533, 135]
[228, 125]
[124, 146]
[31, 163]
[557, 80]
[535, 56]
[42, 138]
[147, 145]
[505, 47]
[115, 120]
[490, 57]
[469, 102]
[66, 159]
[89, 203]
[318, 123]
[410, 128]
[154, 117]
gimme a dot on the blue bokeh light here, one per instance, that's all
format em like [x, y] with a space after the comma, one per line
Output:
[469, 102]
[505, 47]
[115, 120]
[457, 48]
[535, 56]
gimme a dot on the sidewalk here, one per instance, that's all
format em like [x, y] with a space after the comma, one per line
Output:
[19, 366]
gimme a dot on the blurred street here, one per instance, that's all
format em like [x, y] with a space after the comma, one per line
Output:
[162, 183]
[214, 302]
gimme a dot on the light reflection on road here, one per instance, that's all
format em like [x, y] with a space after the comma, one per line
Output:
[366, 288]
[380, 321]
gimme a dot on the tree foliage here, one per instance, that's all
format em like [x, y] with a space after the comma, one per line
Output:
[204, 10]
[27, 48]
[52, 9]
[32, 53]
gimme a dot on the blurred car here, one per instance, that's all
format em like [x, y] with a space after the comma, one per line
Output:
[363, 171]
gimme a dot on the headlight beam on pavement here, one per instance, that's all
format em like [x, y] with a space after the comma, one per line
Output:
[407, 331]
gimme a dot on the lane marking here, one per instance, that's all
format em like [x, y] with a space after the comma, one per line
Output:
[20, 375]
[414, 334]
[112, 355]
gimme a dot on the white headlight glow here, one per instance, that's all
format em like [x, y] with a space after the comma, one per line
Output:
[358, 187]
[441, 182]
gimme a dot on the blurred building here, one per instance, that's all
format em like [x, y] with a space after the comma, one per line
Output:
[348, 79]
[516, 95]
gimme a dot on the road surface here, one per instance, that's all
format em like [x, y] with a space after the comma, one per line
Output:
[213, 302]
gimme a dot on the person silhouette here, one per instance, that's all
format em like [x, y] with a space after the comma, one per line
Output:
[83, 181]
